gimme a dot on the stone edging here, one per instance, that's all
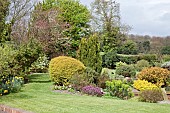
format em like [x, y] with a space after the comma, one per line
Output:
[7, 109]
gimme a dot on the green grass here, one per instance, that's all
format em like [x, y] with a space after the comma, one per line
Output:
[38, 97]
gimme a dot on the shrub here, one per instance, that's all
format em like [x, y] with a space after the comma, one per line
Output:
[119, 89]
[155, 75]
[84, 78]
[151, 95]
[141, 64]
[62, 68]
[91, 90]
[126, 71]
[151, 58]
[16, 60]
[143, 85]
[166, 65]
[128, 47]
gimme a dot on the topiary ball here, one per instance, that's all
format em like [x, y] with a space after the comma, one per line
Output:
[62, 68]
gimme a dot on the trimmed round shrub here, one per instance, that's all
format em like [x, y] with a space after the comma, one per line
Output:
[155, 75]
[126, 71]
[143, 85]
[62, 68]
[151, 95]
[141, 64]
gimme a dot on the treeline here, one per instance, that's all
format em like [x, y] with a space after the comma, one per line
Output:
[151, 44]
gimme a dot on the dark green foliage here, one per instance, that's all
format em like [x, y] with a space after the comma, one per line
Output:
[151, 95]
[132, 59]
[126, 71]
[109, 59]
[89, 53]
[166, 50]
[119, 89]
[129, 59]
[128, 47]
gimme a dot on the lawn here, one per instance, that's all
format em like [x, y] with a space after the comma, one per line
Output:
[38, 97]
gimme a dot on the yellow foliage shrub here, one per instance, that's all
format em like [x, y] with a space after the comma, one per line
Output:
[62, 68]
[155, 75]
[144, 85]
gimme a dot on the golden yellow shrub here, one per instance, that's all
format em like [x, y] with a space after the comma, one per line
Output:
[155, 75]
[144, 85]
[62, 68]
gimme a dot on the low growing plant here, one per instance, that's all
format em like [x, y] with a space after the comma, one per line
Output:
[151, 95]
[11, 85]
[143, 85]
[91, 90]
[119, 89]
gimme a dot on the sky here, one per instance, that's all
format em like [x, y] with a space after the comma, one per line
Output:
[146, 17]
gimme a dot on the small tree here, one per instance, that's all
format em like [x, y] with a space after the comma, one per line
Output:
[89, 53]
[128, 47]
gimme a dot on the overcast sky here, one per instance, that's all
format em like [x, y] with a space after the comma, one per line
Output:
[146, 17]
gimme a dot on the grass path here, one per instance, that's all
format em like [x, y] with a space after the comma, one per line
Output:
[38, 97]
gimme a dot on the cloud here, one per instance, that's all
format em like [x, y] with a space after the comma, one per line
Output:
[146, 16]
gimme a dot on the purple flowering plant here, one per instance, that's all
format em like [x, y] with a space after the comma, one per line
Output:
[91, 90]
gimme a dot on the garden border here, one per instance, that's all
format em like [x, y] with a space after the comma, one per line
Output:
[7, 109]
